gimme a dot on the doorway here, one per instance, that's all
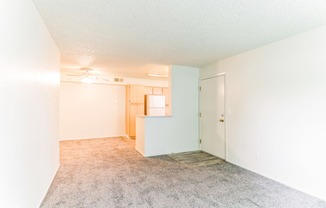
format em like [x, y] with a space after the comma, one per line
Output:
[212, 119]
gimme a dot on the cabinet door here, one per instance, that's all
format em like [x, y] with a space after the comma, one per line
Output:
[140, 95]
[136, 94]
[157, 91]
[133, 92]
[140, 109]
[148, 90]
[134, 110]
[132, 119]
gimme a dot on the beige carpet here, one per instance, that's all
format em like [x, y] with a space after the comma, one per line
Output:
[131, 142]
[196, 159]
[110, 173]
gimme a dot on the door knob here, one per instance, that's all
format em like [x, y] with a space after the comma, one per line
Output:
[221, 120]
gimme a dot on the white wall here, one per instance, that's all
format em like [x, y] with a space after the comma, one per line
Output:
[179, 132]
[29, 106]
[91, 110]
[276, 104]
[146, 82]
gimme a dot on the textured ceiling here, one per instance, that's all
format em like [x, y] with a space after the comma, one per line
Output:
[131, 37]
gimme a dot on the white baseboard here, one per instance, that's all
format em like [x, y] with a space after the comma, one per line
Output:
[140, 152]
[55, 173]
[107, 137]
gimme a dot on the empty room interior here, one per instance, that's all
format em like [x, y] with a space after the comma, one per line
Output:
[192, 103]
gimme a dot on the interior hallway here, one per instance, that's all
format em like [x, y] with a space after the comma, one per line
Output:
[110, 173]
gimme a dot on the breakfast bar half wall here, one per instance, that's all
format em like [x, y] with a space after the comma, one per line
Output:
[160, 135]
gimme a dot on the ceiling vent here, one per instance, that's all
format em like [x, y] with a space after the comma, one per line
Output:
[118, 80]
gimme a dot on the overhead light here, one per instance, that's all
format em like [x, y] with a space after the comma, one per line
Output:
[87, 80]
[157, 75]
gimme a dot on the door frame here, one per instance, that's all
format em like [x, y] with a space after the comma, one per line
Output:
[225, 112]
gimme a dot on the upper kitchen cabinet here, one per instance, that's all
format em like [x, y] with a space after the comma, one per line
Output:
[154, 90]
[157, 91]
[148, 90]
[136, 94]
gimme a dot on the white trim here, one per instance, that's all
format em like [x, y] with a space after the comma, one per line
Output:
[225, 113]
[126, 136]
[225, 119]
[214, 76]
[199, 114]
[140, 152]
[53, 177]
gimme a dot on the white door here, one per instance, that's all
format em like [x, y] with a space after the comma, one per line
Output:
[212, 120]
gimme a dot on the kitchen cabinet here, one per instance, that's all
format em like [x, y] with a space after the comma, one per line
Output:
[135, 109]
[135, 96]
[154, 90]
[148, 90]
[134, 106]
[157, 91]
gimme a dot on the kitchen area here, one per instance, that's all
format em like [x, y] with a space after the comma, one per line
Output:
[143, 104]
[145, 101]
[178, 130]
[137, 109]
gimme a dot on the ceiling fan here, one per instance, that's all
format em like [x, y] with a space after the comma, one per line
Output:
[88, 76]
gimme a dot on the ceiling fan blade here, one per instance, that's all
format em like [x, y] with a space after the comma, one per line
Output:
[76, 75]
[103, 79]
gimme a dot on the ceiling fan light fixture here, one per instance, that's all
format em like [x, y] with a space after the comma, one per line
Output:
[157, 75]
